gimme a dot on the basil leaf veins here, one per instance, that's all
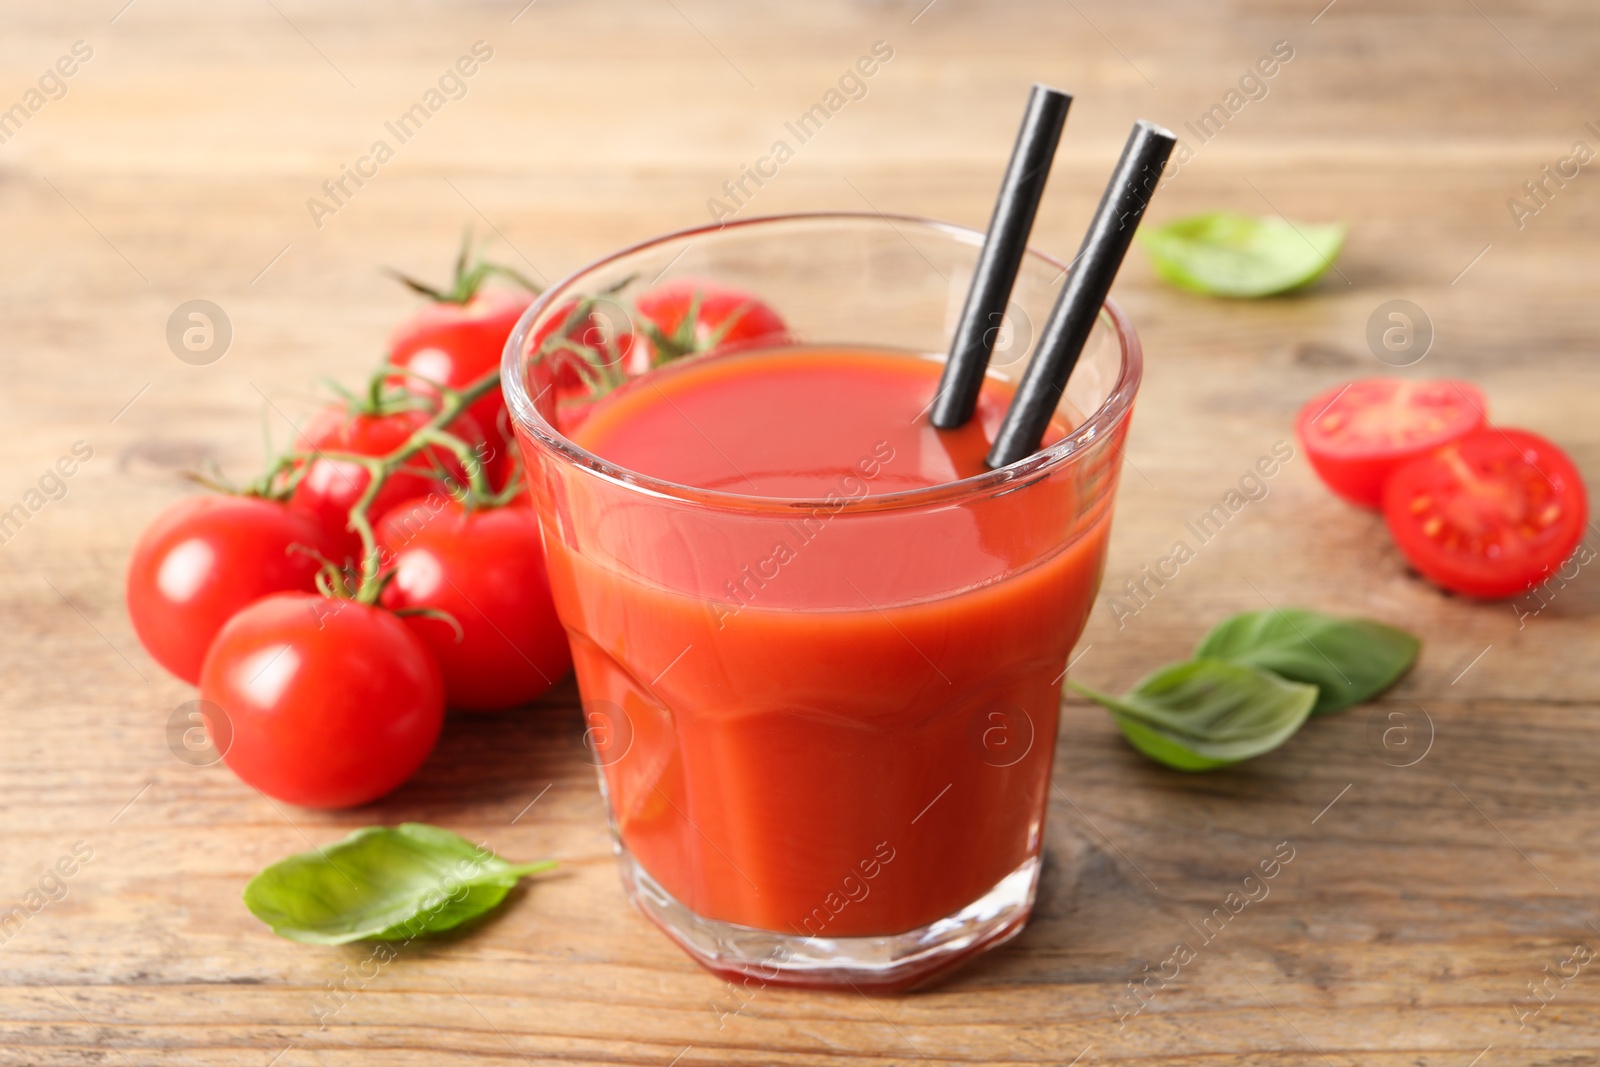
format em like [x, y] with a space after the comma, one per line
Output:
[1350, 661]
[1208, 713]
[382, 883]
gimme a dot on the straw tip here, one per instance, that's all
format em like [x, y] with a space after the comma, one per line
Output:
[1159, 131]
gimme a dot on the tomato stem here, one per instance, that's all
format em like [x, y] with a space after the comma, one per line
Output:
[452, 403]
[442, 616]
[470, 274]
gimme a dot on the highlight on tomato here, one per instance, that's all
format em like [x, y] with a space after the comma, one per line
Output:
[330, 702]
[206, 558]
[454, 343]
[459, 336]
[474, 585]
[1490, 514]
[1356, 435]
[372, 426]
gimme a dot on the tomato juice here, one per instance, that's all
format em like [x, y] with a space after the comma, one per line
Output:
[826, 708]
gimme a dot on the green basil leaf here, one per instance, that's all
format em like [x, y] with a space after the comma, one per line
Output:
[382, 883]
[1208, 713]
[1223, 254]
[1350, 661]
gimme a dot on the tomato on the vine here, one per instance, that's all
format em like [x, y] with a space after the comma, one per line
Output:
[329, 703]
[584, 356]
[332, 486]
[206, 558]
[1488, 515]
[485, 569]
[459, 337]
[456, 344]
[580, 357]
[1358, 434]
[689, 315]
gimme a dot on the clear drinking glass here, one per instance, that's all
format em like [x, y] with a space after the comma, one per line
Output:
[824, 739]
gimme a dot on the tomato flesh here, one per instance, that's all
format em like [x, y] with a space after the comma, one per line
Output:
[1358, 434]
[1489, 515]
[329, 703]
[206, 558]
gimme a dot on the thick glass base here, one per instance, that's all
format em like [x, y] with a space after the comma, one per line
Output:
[885, 964]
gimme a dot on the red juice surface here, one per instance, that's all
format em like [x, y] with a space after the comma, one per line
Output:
[821, 719]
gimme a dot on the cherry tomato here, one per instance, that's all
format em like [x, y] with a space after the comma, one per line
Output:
[454, 345]
[206, 558]
[1358, 434]
[724, 317]
[330, 703]
[576, 373]
[1488, 515]
[332, 486]
[485, 568]
[613, 340]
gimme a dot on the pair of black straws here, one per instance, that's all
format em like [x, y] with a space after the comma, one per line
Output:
[1088, 278]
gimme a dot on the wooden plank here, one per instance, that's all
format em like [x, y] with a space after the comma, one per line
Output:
[1421, 900]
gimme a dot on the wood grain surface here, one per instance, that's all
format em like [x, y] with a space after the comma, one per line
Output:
[176, 164]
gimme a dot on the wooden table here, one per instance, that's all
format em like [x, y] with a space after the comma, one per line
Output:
[1422, 899]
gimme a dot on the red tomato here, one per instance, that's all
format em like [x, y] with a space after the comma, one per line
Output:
[1489, 515]
[724, 317]
[330, 703]
[332, 486]
[613, 343]
[485, 568]
[454, 345]
[202, 561]
[1358, 434]
[568, 372]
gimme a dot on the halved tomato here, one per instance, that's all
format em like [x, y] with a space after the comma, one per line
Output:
[1489, 515]
[1358, 434]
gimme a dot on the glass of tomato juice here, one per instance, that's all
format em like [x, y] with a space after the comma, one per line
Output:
[819, 645]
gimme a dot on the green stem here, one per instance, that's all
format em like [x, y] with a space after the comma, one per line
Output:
[522, 870]
[477, 484]
[452, 403]
[371, 565]
[470, 274]
[272, 485]
[516, 482]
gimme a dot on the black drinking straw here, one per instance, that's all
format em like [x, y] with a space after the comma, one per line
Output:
[1088, 281]
[996, 272]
